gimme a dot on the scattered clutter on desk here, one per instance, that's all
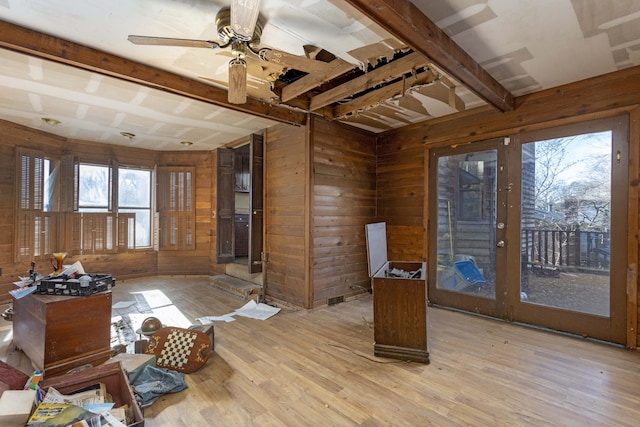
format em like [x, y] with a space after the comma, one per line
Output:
[71, 280]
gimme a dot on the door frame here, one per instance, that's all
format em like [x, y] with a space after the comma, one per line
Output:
[507, 304]
[612, 328]
[493, 307]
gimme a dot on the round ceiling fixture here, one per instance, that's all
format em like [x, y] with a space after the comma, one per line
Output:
[128, 135]
[186, 143]
[50, 121]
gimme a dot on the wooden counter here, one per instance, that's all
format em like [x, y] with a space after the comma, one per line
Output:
[59, 333]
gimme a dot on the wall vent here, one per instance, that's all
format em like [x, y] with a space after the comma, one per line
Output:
[335, 300]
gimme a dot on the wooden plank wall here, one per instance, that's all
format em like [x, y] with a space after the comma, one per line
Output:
[285, 206]
[343, 201]
[193, 261]
[123, 265]
[603, 96]
[401, 193]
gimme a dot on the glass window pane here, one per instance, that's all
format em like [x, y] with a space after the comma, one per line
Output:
[142, 227]
[134, 188]
[466, 223]
[566, 202]
[93, 189]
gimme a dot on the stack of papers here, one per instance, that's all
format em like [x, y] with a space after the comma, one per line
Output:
[251, 310]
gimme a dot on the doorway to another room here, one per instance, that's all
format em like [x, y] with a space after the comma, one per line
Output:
[239, 199]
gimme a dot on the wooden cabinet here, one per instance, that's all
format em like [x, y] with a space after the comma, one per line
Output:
[400, 315]
[399, 302]
[241, 235]
[59, 333]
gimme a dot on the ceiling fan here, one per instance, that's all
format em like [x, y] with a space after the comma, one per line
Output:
[240, 27]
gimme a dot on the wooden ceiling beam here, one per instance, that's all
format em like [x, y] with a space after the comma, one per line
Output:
[405, 21]
[391, 70]
[382, 94]
[335, 68]
[21, 39]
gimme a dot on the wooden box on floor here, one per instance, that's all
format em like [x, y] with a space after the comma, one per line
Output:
[399, 303]
[59, 332]
[114, 378]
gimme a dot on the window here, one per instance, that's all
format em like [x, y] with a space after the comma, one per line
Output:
[134, 196]
[94, 188]
[470, 180]
[175, 208]
[67, 206]
[39, 230]
[98, 227]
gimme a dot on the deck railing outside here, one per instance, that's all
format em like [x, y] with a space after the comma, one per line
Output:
[571, 249]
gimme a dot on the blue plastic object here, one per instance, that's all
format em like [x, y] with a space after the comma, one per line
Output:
[467, 271]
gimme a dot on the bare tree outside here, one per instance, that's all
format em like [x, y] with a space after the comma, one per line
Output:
[566, 215]
[572, 180]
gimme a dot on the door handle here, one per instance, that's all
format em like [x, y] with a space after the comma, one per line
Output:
[500, 243]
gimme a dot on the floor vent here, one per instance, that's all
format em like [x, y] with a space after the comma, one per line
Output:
[335, 300]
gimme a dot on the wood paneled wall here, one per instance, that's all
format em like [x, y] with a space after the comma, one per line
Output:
[343, 201]
[400, 174]
[320, 192]
[286, 178]
[123, 265]
[401, 193]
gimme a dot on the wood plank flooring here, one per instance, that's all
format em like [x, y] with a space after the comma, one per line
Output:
[316, 368]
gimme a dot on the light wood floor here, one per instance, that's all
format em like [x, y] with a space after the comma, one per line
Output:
[316, 368]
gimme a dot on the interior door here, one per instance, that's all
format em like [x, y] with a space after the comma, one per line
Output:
[530, 230]
[256, 204]
[225, 206]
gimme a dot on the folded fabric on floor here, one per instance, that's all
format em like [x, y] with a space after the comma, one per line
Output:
[154, 382]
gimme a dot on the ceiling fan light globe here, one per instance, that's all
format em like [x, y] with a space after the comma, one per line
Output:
[244, 15]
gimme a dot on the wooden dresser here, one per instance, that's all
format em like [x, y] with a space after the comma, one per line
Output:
[59, 333]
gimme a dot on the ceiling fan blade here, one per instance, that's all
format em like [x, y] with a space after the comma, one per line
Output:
[168, 41]
[300, 63]
[244, 15]
[237, 81]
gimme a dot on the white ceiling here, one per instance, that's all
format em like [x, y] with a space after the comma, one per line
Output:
[527, 45]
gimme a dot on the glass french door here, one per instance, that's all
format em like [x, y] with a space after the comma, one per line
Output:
[529, 228]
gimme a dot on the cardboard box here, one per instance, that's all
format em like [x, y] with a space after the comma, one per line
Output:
[114, 378]
[133, 364]
[399, 301]
[16, 407]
